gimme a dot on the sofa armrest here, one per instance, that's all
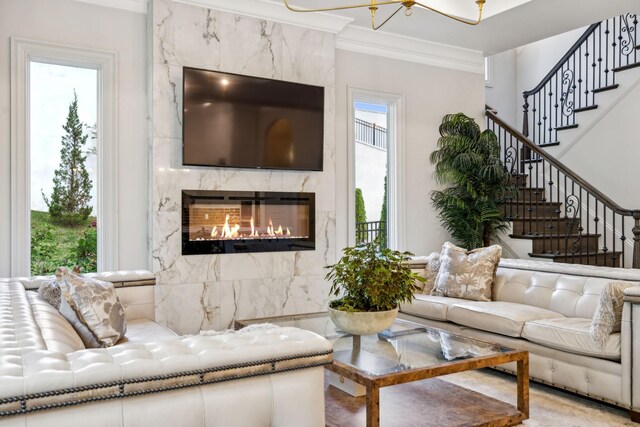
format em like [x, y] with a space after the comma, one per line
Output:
[630, 347]
[43, 379]
[417, 262]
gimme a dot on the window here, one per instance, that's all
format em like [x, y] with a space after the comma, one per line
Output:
[45, 81]
[488, 71]
[375, 156]
[371, 128]
[63, 127]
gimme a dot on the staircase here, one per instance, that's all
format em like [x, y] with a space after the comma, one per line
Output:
[565, 218]
[589, 67]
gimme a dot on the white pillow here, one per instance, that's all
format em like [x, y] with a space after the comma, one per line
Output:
[608, 316]
[467, 274]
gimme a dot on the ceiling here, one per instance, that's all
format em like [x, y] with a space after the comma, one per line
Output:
[507, 23]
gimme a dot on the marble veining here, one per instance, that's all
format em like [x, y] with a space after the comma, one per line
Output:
[210, 291]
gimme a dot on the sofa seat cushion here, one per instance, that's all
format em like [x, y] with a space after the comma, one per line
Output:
[571, 334]
[505, 318]
[430, 306]
[142, 331]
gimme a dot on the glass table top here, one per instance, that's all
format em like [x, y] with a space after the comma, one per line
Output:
[404, 346]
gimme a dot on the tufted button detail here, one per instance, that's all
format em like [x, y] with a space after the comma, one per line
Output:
[586, 379]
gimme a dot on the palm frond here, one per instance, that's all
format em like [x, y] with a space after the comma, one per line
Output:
[468, 162]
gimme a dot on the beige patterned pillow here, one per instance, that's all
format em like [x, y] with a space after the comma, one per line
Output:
[467, 274]
[96, 304]
[608, 316]
[431, 271]
[51, 293]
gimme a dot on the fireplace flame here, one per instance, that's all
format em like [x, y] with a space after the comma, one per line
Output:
[254, 233]
[226, 230]
[229, 231]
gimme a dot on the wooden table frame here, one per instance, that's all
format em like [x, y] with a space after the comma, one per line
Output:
[373, 383]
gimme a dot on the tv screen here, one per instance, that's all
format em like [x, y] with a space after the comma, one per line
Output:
[248, 122]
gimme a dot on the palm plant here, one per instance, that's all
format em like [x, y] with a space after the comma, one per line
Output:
[467, 161]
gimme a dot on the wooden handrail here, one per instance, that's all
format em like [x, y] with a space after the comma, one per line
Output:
[530, 145]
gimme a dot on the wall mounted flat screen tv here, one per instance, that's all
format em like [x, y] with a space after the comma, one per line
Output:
[238, 121]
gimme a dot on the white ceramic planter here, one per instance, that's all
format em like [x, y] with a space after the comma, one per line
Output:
[363, 322]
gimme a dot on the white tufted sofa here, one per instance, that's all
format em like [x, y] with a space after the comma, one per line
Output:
[547, 309]
[268, 376]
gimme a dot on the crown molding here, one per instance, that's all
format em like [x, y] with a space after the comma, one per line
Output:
[277, 12]
[348, 37]
[137, 6]
[389, 45]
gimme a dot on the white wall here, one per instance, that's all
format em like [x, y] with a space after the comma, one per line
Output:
[606, 152]
[429, 95]
[72, 23]
[502, 94]
[535, 60]
[517, 70]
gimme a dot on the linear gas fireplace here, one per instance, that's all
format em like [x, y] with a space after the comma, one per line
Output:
[216, 222]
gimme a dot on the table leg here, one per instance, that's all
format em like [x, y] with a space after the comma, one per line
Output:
[373, 406]
[523, 385]
[356, 342]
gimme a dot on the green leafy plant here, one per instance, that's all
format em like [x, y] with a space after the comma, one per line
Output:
[361, 212]
[370, 278]
[361, 217]
[468, 162]
[70, 200]
[87, 250]
[383, 216]
[54, 245]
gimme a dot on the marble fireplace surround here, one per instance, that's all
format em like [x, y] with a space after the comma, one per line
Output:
[198, 292]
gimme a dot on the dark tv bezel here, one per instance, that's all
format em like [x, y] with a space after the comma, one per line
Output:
[252, 167]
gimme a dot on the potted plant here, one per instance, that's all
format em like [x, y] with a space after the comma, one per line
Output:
[370, 283]
[467, 161]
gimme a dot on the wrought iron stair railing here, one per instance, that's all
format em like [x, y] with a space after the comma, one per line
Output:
[567, 218]
[588, 67]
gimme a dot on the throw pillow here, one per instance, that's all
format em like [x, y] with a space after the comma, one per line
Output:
[467, 274]
[94, 305]
[51, 293]
[431, 271]
[608, 316]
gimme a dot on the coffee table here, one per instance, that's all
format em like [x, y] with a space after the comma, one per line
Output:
[409, 352]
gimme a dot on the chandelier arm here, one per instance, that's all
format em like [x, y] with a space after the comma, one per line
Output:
[376, 27]
[328, 9]
[455, 18]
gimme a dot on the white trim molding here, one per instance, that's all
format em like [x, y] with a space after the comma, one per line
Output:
[137, 6]
[488, 71]
[277, 12]
[395, 163]
[23, 52]
[389, 45]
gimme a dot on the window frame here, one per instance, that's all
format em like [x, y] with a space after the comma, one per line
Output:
[23, 52]
[395, 163]
[488, 71]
